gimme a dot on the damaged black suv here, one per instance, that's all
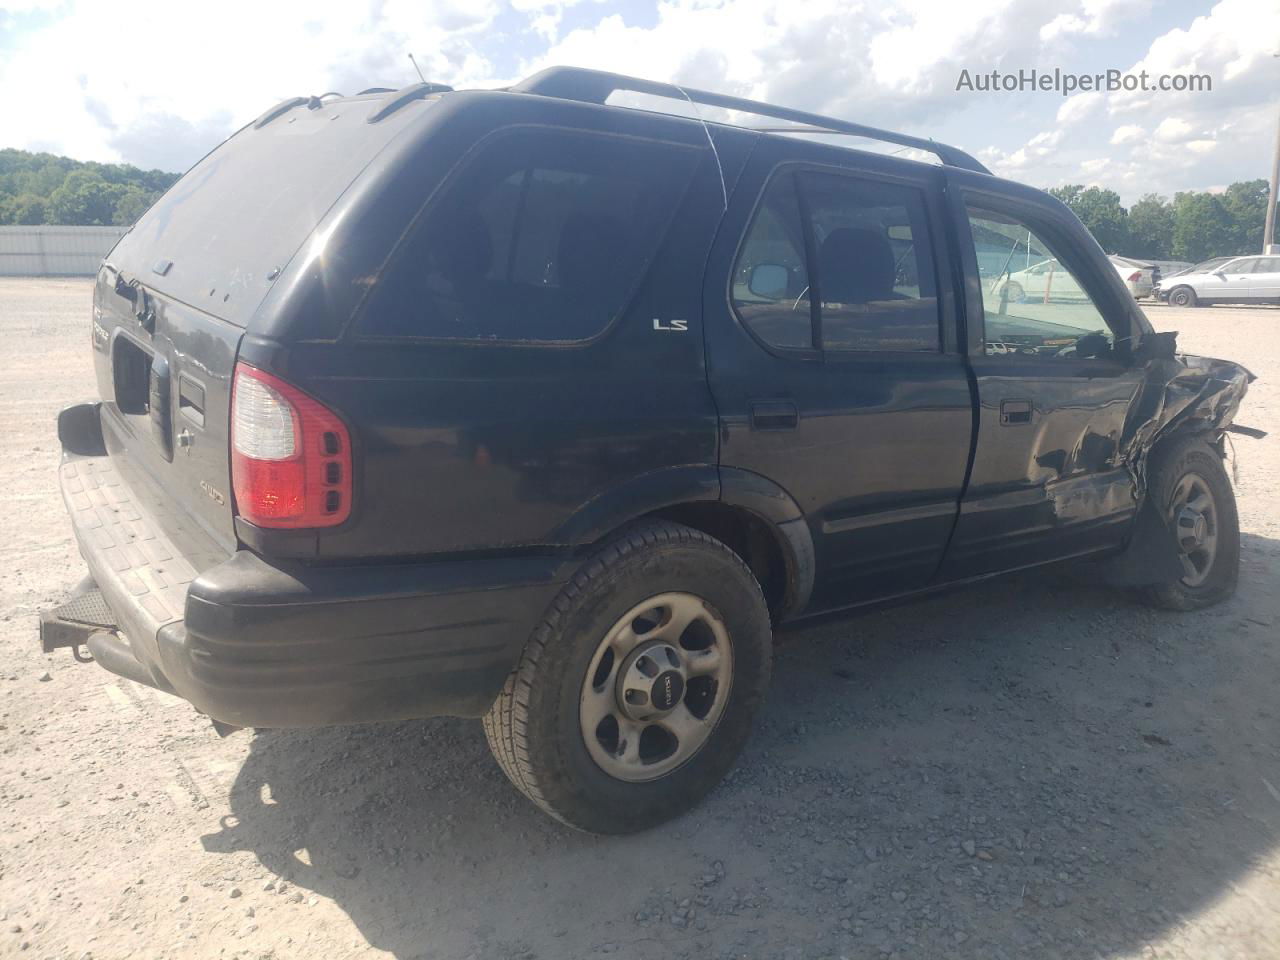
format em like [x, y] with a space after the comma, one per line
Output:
[542, 407]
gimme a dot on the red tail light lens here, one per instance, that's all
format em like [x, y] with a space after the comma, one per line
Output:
[1135, 276]
[290, 455]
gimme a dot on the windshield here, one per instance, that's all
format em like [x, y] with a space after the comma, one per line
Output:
[1209, 265]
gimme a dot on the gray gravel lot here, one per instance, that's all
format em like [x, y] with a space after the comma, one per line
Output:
[1028, 768]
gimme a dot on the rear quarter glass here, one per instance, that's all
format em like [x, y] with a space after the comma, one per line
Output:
[245, 209]
[541, 235]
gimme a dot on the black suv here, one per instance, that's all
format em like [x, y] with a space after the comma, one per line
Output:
[528, 406]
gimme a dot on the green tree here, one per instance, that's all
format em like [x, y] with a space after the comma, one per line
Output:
[1068, 194]
[1100, 211]
[1202, 227]
[131, 204]
[1151, 228]
[30, 209]
[84, 198]
[1246, 203]
[95, 196]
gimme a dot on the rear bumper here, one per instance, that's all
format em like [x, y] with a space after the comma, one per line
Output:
[252, 642]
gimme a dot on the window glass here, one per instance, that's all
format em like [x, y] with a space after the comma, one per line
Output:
[874, 266]
[770, 282]
[1032, 304]
[1268, 265]
[1241, 266]
[542, 235]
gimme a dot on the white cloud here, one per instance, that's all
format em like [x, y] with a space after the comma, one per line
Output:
[893, 65]
[1173, 130]
[1129, 133]
[1078, 107]
[115, 83]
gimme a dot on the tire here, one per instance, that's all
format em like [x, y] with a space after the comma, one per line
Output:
[1183, 297]
[1015, 292]
[538, 727]
[1194, 461]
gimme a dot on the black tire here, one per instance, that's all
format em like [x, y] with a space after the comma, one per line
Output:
[1015, 292]
[533, 727]
[1183, 297]
[1192, 456]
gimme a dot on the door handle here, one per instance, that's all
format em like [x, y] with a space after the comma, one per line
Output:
[1013, 412]
[774, 414]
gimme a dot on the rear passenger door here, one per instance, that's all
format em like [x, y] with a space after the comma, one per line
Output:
[1265, 281]
[834, 364]
[1048, 480]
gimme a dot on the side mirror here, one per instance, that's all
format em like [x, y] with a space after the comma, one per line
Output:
[1219, 274]
[1158, 346]
[769, 280]
[1093, 346]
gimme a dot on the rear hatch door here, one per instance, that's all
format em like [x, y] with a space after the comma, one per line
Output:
[177, 293]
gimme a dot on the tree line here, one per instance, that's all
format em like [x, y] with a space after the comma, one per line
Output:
[1195, 225]
[43, 188]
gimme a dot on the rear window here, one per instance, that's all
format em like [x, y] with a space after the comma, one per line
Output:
[247, 207]
[542, 235]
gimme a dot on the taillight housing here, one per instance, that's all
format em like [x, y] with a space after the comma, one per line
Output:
[290, 454]
[1135, 276]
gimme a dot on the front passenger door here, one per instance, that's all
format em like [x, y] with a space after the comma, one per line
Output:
[1238, 282]
[1047, 480]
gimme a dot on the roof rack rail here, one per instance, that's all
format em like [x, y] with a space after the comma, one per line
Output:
[281, 108]
[595, 86]
[415, 91]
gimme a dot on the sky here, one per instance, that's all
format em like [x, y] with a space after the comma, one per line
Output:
[157, 83]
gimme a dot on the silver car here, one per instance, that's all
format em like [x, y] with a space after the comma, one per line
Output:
[1227, 280]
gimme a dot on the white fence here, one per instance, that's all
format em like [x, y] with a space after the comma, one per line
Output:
[55, 251]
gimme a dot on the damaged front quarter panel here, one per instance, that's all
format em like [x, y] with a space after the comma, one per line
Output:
[1181, 395]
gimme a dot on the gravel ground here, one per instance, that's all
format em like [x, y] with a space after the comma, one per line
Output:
[1028, 768]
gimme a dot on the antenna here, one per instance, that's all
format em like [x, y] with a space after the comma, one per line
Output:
[418, 68]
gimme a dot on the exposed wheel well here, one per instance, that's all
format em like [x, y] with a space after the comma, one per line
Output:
[749, 536]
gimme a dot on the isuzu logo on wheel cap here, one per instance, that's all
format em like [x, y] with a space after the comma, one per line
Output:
[667, 690]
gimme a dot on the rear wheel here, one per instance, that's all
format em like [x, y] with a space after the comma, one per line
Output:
[1015, 292]
[635, 695]
[1182, 297]
[1193, 491]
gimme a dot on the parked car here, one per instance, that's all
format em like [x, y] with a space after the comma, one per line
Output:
[1048, 279]
[1251, 279]
[517, 405]
[1139, 276]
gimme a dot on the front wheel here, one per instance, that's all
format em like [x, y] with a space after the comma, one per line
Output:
[635, 695]
[1182, 297]
[1193, 490]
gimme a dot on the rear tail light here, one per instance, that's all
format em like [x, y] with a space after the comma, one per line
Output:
[290, 455]
[1135, 276]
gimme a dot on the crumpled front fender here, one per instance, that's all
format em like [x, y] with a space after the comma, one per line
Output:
[1182, 395]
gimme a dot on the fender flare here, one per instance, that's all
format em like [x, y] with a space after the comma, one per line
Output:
[765, 499]
[705, 483]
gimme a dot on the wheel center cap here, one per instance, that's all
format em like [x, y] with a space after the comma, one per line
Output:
[667, 690]
[1193, 528]
[651, 682]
